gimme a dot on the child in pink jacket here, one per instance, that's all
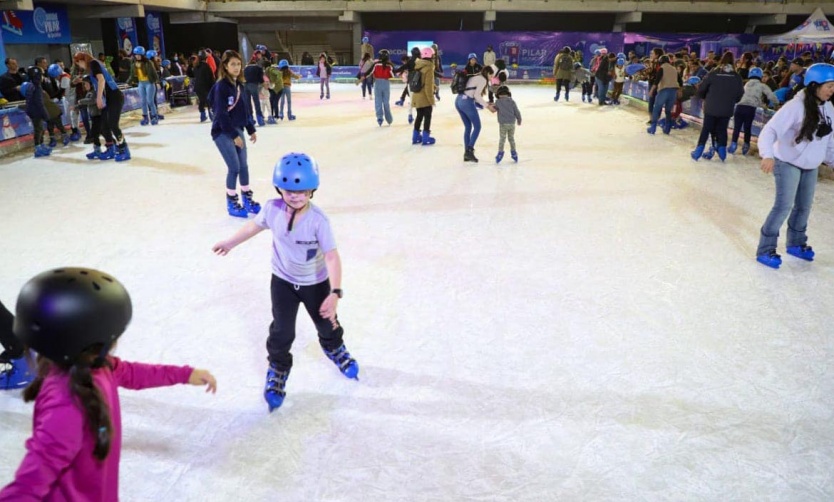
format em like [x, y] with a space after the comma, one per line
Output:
[72, 317]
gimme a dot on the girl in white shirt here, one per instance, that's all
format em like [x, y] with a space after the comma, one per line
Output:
[476, 87]
[793, 144]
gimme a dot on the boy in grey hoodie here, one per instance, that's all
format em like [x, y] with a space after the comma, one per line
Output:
[508, 115]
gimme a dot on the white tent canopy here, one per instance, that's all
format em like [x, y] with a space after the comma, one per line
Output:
[816, 28]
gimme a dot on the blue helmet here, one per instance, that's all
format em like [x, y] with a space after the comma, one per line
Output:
[471, 56]
[597, 52]
[54, 71]
[151, 54]
[621, 55]
[260, 47]
[296, 171]
[620, 61]
[755, 73]
[364, 40]
[166, 63]
[25, 87]
[819, 73]
[283, 64]
[138, 51]
[696, 80]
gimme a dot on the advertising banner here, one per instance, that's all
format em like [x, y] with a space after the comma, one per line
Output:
[156, 40]
[126, 34]
[522, 48]
[47, 24]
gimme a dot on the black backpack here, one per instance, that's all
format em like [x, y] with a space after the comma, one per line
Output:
[415, 81]
[459, 82]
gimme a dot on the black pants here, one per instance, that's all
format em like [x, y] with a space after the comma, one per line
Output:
[12, 346]
[274, 97]
[286, 298]
[110, 116]
[717, 126]
[423, 113]
[202, 100]
[404, 94]
[563, 82]
[743, 119]
[95, 129]
[491, 95]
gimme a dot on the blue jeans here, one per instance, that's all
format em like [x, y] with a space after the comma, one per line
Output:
[324, 82]
[471, 121]
[146, 91]
[253, 91]
[367, 84]
[235, 159]
[794, 194]
[602, 91]
[382, 99]
[285, 96]
[665, 97]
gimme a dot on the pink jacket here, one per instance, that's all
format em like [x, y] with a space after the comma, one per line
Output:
[59, 464]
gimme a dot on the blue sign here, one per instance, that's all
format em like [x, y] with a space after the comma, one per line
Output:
[156, 40]
[3, 68]
[47, 24]
[126, 33]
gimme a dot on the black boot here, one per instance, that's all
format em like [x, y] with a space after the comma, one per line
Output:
[466, 156]
[470, 155]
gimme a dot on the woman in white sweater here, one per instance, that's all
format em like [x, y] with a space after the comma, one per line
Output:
[476, 87]
[793, 144]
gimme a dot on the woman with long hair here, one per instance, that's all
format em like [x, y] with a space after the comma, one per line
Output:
[109, 100]
[232, 114]
[476, 88]
[793, 144]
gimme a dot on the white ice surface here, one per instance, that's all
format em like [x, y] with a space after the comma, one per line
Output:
[589, 324]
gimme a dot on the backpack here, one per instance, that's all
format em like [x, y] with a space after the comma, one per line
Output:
[459, 82]
[566, 63]
[595, 64]
[415, 81]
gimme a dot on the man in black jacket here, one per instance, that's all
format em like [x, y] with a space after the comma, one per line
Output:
[11, 81]
[203, 80]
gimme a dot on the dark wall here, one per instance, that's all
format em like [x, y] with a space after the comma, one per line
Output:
[406, 21]
[558, 21]
[178, 37]
[188, 38]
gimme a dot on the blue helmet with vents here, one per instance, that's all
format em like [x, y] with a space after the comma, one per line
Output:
[296, 171]
[755, 73]
[819, 73]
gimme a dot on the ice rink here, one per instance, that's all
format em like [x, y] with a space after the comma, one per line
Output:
[588, 324]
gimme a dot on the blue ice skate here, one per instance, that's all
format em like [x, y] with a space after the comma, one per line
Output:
[16, 373]
[249, 203]
[234, 208]
[416, 137]
[771, 259]
[410, 118]
[732, 148]
[346, 364]
[652, 128]
[94, 154]
[697, 152]
[804, 251]
[499, 157]
[427, 139]
[745, 149]
[722, 153]
[123, 153]
[203, 116]
[514, 155]
[276, 382]
[42, 151]
[109, 153]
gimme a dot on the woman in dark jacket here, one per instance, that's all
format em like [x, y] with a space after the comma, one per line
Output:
[720, 90]
[203, 78]
[324, 80]
[232, 115]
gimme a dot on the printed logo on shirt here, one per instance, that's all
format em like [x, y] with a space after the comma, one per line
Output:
[306, 243]
[311, 254]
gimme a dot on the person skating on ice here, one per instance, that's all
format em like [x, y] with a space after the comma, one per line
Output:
[756, 95]
[94, 114]
[233, 115]
[323, 71]
[110, 101]
[403, 72]
[381, 72]
[306, 269]
[73, 317]
[253, 75]
[143, 74]
[366, 47]
[800, 131]
[286, 94]
[508, 116]
[476, 88]
[203, 78]
[423, 98]
[365, 66]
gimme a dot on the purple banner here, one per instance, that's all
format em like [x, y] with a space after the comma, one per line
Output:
[642, 43]
[126, 34]
[522, 48]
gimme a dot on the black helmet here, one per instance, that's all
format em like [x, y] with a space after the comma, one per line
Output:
[63, 312]
[415, 53]
[663, 59]
[203, 55]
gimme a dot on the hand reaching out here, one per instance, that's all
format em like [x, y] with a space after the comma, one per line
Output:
[222, 248]
[203, 377]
